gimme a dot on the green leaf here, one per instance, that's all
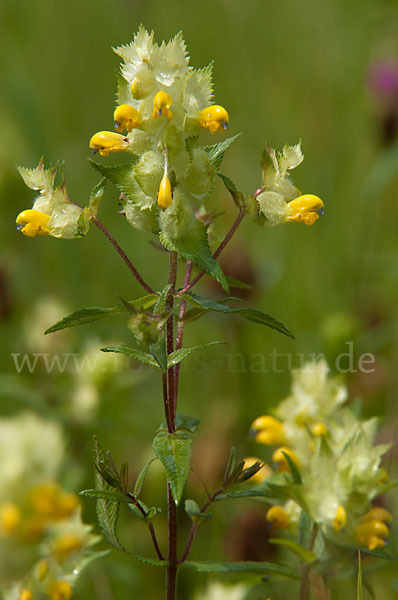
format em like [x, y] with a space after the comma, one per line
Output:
[106, 495]
[237, 195]
[174, 452]
[193, 511]
[160, 306]
[251, 314]
[120, 175]
[107, 510]
[94, 313]
[195, 246]
[186, 422]
[254, 494]
[151, 512]
[231, 464]
[236, 283]
[139, 484]
[240, 567]
[301, 552]
[178, 355]
[293, 469]
[359, 580]
[305, 529]
[96, 195]
[216, 152]
[143, 357]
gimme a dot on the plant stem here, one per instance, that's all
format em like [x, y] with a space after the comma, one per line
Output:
[221, 247]
[150, 525]
[180, 330]
[305, 579]
[169, 382]
[123, 255]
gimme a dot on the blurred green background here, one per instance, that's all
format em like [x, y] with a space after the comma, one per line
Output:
[285, 71]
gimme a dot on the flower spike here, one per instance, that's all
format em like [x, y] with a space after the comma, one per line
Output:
[214, 118]
[106, 142]
[161, 105]
[126, 117]
[33, 222]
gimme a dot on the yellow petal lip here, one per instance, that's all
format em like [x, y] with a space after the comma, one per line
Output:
[278, 517]
[161, 105]
[126, 117]
[214, 118]
[340, 518]
[32, 222]
[377, 513]
[306, 209]
[106, 142]
[268, 430]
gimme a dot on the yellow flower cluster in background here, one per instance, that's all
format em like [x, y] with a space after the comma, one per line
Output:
[43, 541]
[333, 452]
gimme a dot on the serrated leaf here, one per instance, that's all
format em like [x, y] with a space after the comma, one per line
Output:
[160, 306]
[174, 452]
[107, 510]
[237, 195]
[159, 352]
[251, 314]
[120, 175]
[216, 152]
[240, 567]
[143, 357]
[151, 512]
[106, 495]
[301, 552]
[178, 355]
[139, 484]
[94, 313]
[195, 246]
[95, 197]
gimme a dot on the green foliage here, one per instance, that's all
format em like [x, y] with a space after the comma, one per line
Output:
[305, 555]
[241, 567]
[178, 355]
[95, 313]
[143, 357]
[216, 152]
[174, 452]
[139, 484]
[185, 422]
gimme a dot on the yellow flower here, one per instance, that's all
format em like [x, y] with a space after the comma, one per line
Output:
[305, 209]
[61, 590]
[33, 222]
[278, 517]
[165, 197]
[372, 534]
[50, 502]
[281, 461]
[269, 430]
[67, 544]
[126, 117]
[214, 118]
[340, 519]
[161, 105]
[25, 595]
[106, 142]
[377, 513]
[10, 518]
[262, 474]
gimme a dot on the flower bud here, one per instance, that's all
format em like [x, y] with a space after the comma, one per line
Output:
[319, 429]
[61, 590]
[10, 518]
[278, 517]
[377, 513]
[106, 142]
[214, 118]
[262, 474]
[165, 197]
[126, 117]
[25, 595]
[161, 105]
[305, 209]
[33, 222]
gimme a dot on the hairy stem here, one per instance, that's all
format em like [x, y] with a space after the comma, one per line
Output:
[221, 247]
[169, 380]
[123, 255]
